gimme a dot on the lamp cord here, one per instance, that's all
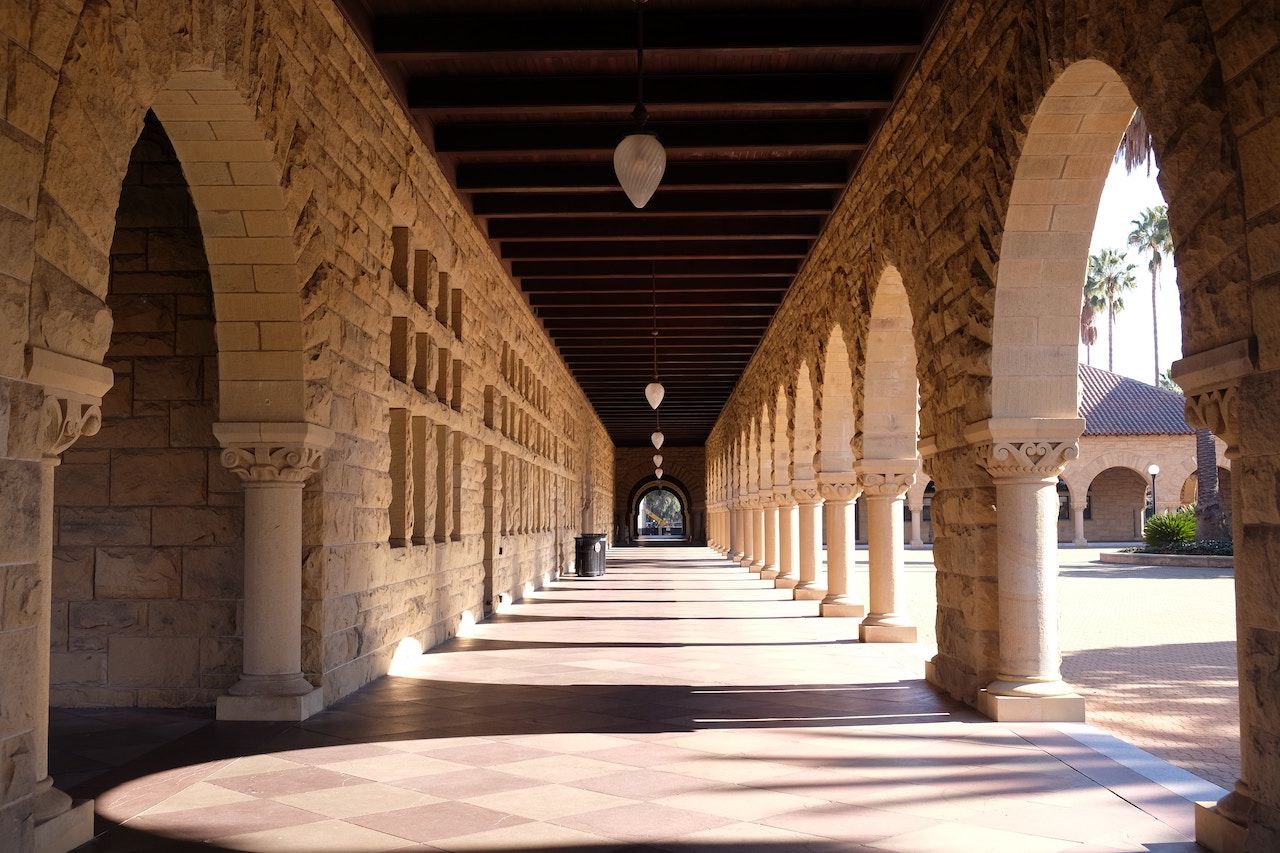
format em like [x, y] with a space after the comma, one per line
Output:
[640, 114]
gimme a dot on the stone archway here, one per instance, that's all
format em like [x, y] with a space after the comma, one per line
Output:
[635, 500]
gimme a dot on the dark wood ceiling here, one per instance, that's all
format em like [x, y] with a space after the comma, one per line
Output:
[763, 108]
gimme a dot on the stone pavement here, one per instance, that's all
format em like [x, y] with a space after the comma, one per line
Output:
[1152, 649]
[676, 704]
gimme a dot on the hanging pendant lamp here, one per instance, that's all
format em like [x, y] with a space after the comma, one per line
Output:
[657, 438]
[658, 473]
[639, 161]
[654, 392]
[657, 460]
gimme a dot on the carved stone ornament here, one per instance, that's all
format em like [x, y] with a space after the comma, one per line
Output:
[806, 493]
[1216, 411]
[64, 420]
[887, 484]
[839, 492]
[267, 463]
[1037, 459]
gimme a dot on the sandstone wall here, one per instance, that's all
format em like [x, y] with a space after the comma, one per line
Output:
[317, 203]
[147, 571]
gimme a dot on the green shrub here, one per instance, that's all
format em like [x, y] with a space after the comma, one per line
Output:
[1170, 530]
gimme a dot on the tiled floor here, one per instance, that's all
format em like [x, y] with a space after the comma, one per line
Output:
[676, 704]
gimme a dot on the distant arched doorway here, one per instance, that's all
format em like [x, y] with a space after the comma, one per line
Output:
[659, 512]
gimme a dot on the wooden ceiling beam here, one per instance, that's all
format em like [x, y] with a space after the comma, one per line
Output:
[633, 267]
[833, 136]
[867, 30]
[806, 203]
[698, 175]
[667, 284]
[771, 92]
[513, 250]
[677, 228]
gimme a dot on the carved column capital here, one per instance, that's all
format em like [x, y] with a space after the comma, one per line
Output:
[839, 488]
[1034, 459]
[63, 419]
[1026, 449]
[887, 484]
[273, 453]
[806, 492]
[1216, 410]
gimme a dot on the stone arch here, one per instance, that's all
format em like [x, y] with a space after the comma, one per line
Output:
[835, 407]
[236, 185]
[651, 484]
[781, 445]
[1044, 249]
[889, 397]
[804, 435]
[766, 450]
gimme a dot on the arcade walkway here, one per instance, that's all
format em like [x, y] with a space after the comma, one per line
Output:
[676, 704]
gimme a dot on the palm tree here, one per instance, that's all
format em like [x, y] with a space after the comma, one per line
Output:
[1150, 236]
[1088, 328]
[1107, 279]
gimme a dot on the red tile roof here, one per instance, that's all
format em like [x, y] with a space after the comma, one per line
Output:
[1112, 404]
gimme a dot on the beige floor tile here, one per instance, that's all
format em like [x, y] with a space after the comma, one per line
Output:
[197, 796]
[390, 767]
[330, 836]
[953, 837]
[544, 802]
[255, 764]
[353, 800]
[731, 769]
[740, 803]
[526, 836]
[558, 768]
[572, 743]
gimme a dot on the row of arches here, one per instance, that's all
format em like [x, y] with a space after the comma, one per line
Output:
[914, 346]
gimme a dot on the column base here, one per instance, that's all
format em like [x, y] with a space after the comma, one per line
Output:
[768, 574]
[810, 593]
[1068, 708]
[67, 830]
[1217, 832]
[784, 583]
[268, 707]
[842, 610]
[886, 633]
[1080, 542]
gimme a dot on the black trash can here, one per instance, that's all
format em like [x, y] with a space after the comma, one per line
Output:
[588, 555]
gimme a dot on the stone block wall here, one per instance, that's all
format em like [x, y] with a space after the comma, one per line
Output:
[147, 558]
[1117, 500]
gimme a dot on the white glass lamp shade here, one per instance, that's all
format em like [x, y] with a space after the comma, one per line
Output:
[657, 460]
[1153, 469]
[657, 439]
[654, 392]
[658, 473]
[639, 162]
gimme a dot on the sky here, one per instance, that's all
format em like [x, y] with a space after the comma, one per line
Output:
[1123, 199]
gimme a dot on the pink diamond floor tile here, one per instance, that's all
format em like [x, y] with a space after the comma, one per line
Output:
[678, 703]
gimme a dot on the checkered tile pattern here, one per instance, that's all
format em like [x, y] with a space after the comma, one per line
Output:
[678, 703]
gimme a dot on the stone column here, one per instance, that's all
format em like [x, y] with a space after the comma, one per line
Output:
[748, 532]
[1217, 384]
[735, 531]
[273, 461]
[1025, 459]
[839, 491]
[788, 540]
[71, 408]
[917, 511]
[808, 499]
[758, 503]
[1077, 520]
[885, 483]
[769, 509]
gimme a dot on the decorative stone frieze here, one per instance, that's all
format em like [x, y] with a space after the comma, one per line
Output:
[841, 490]
[1030, 459]
[877, 480]
[806, 493]
[265, 463]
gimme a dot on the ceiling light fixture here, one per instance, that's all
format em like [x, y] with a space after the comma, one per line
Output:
[639, 161]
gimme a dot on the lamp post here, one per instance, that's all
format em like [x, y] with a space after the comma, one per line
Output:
[1153, 469]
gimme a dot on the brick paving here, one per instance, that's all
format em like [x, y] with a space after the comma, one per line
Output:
[678, 704]
[1151, 648]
